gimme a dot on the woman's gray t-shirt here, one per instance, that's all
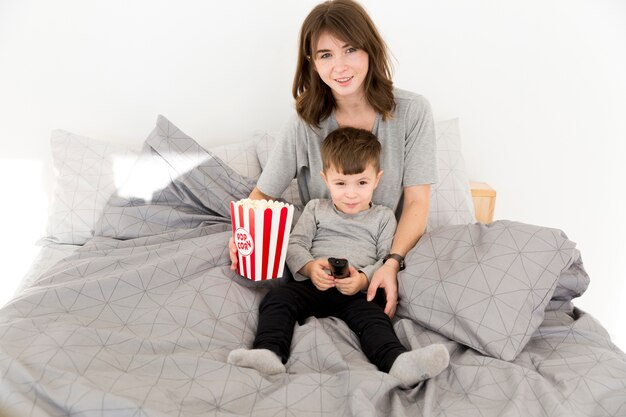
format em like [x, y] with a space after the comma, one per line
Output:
[408, 153]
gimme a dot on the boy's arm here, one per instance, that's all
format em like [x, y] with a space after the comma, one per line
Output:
[301, 239]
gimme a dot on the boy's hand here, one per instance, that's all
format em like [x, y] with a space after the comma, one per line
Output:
[317, 271]
[357, 281]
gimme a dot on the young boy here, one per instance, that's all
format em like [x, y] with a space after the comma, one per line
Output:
[346, 226]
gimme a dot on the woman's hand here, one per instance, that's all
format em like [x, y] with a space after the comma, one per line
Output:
[386, 277]
[357, 281]
[232, 251]
[316, 270]
[255, 194]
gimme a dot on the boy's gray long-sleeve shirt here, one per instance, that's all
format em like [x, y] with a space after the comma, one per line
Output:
[322, 231]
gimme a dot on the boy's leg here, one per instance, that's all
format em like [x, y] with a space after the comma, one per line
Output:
[420, 364]
[373, 327]
[279, 311]
[382, 346]
[263, 360]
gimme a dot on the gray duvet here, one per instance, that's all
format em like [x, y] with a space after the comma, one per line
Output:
[140, 320]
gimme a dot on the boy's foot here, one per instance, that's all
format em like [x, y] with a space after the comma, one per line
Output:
[263, 360]
[420, 364]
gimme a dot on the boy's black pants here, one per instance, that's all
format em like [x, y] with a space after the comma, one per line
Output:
[295, 301]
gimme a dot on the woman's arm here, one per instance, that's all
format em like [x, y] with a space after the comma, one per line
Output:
[410, 228]
[256, 194]
[279, 170]
[413, 219]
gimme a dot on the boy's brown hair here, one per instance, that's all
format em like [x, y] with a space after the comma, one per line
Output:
[350, 150]
[348, 21]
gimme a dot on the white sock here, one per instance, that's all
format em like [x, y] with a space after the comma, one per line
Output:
[263, 360]
[420, 364]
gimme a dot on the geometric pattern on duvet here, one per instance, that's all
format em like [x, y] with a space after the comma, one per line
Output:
[143, 327]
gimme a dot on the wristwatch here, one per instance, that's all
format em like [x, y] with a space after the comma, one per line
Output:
[397, 257]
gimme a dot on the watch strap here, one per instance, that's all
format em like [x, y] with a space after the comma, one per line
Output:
[398, 258]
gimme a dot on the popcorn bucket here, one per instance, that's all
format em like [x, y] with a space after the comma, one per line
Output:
[261, 231]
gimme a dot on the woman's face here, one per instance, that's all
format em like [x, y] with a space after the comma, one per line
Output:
[341, 66]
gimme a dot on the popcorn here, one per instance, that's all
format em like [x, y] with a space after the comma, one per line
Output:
[261, 230]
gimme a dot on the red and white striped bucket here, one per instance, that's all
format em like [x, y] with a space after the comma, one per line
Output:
[261, 235]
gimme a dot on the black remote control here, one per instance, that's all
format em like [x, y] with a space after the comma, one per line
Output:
[339, 267]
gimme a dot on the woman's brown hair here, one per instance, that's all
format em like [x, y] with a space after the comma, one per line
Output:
[349, 22]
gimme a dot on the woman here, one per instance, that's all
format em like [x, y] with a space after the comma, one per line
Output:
[343, 78]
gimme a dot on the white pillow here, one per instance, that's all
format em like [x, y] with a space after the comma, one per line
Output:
[240, 156]
[85, 179]
[450, 199]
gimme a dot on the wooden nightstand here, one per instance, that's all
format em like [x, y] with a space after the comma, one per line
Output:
[484, 201]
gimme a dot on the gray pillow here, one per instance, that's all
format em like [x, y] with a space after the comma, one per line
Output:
[485, 286]
[88, 171]
[174, 184]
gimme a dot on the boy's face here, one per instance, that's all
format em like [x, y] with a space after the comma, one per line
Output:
[352, 193]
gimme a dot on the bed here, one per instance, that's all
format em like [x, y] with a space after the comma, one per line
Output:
[131, 308]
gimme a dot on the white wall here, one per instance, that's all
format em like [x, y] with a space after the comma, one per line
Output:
[540, 87]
